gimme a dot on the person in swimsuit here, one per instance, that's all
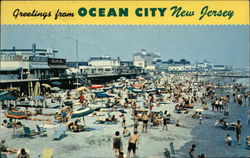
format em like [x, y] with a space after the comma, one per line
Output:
[165, 120]
[191, 151]
[117, 143]
[238, 131]
[23, 154]
[145, 122]
[133, 141]
[5, 149]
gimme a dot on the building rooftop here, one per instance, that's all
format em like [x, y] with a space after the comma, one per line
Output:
[27, 50]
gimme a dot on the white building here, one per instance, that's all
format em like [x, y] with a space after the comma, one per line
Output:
[29, 63]
[147, 57]
[104, 61]
[179, 68]
[139, 63]
[101, 65]
[220, 68]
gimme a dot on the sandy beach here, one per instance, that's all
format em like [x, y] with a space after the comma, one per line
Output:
[97, 139]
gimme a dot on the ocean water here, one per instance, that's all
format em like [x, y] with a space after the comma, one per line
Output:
[244, 81]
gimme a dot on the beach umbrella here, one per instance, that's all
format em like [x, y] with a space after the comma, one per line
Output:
[151, 90]
[4, 93]
[199, 110]
[118, 86]
[137, 91]
[96, 86]
[81, 113]
[55, 89]
[39, 98]
[83, 88]
[108, 88]
[46, 85]
[123, 78]
[138, 85]
[15, 114]
[210, 85]
[103, 95]
[98, 92]
[141, 78]
[130, 88]
[37, 89]
[160, 88]
[56, 83]
[2, 98]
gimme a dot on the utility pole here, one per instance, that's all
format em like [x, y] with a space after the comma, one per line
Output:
[77, 64]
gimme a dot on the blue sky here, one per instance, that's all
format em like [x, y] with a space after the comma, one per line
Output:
[221, 44]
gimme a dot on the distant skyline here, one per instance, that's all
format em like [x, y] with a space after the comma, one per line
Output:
[227, 45]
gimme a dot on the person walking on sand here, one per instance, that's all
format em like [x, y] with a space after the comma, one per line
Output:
[145, 122]
[136, 122]
[123, 120]
[165, 120]
[133, 141]
[191, 151]
[238, 131]
[117, 143]
[200, 118]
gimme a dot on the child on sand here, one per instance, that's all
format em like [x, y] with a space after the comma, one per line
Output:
[126, 132]
[228, 140]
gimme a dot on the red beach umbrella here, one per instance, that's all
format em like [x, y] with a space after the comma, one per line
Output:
[15, 114]
[96, 86]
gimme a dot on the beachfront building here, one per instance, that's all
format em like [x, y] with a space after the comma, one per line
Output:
[175, 66]
[104, 61]
[220, 68]
[204, 66]
[101, 65]
[144, 59]
[30, 64]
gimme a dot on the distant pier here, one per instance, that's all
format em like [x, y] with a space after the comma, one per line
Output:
[228, 76]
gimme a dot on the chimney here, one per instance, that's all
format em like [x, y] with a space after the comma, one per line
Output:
[14, 47]
[33, 48]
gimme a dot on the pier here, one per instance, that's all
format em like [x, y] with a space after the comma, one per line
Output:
[68, 82]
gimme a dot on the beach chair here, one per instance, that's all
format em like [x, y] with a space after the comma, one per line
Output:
[42, 131]
[28, 132]
[48, 153]
[3, 155]
[60, 133]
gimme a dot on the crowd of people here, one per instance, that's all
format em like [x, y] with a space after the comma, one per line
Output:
[186, 94]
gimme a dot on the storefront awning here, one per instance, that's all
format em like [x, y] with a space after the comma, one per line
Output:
[58, 66]
[39, 66]
[9, 68]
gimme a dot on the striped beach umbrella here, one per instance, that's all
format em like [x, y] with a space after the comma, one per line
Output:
[82, 112]
[15, 114]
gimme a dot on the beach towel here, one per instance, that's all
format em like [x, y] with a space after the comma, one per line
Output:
[47, 153]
